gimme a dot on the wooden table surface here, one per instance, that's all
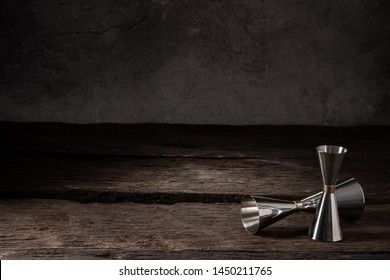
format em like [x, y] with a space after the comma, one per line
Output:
[153, 191]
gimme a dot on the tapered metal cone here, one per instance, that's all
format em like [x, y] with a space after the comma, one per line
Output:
[331, 158]
[350, 200]
[258, 212]
[326, 224]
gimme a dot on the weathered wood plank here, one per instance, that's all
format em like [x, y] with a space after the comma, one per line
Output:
[151, 140]
[91, 254]
[63, 229]
[167, 164]
[178, 163]
[171, 180]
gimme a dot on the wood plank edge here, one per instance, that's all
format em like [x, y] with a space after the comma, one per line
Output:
[91, 253]
[90, 196]
[169, 198]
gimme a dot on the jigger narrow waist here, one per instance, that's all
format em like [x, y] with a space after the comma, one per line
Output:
[298, 204]
[329, 188]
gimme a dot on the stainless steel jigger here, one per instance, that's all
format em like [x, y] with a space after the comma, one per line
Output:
[259, 212]
[326, 224]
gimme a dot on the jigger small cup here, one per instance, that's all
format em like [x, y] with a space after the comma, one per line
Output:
[259, 212]
[326, 223]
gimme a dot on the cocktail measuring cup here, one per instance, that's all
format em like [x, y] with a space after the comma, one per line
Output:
[259, 212]
[326, 223]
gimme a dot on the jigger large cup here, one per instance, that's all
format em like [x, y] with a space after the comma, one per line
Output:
[326, 224]
[258, 212]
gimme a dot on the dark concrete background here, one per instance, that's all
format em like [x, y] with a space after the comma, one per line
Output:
[204, 62]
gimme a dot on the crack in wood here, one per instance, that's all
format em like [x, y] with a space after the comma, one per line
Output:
[83, 196]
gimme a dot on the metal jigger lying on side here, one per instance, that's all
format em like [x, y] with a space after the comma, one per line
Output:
[258, 212]
[326, 224]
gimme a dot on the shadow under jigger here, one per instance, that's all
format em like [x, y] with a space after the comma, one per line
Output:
[258, 212]
[326, 223]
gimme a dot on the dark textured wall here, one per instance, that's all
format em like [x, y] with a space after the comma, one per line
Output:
[176, 61]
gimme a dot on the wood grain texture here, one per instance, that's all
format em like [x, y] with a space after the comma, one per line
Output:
[171, 180]
[172, 191]
[62, 229]
[165, 140]
[183, 163]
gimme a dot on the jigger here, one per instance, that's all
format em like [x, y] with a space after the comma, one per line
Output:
[326, 224]
[259, 212]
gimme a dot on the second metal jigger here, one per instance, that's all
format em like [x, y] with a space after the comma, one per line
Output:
[326, 224]
[259, 212]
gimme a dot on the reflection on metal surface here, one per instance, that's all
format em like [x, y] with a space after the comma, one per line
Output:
[326, 224]
[258, 212]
